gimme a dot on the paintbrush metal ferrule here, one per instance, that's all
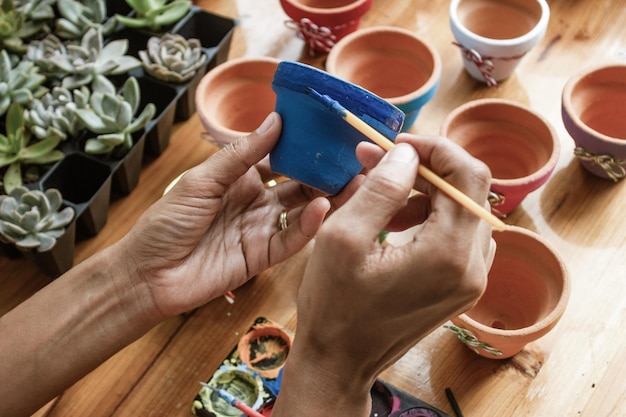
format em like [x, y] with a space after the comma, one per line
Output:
[327, 101]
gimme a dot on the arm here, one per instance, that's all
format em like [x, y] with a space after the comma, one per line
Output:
[358, 314]
[209, 234]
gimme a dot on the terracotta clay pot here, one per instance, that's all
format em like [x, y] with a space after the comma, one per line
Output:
[264, 350]
[495, 35]
[235, 97]
[518, 144]
[527, 291]
[393, 63]
[322, 23]
[594, 114]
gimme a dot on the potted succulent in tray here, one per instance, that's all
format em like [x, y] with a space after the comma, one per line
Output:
[16, 150]
[77, 17]
[176, 60]
[77, 65]
[111, 116]
[154, 14]
[20, 83]
[34, 222]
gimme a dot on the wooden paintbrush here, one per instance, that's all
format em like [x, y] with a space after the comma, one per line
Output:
[425, 172]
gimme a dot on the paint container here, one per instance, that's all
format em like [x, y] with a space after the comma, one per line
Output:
[264, 350]
[238, 382]
[316, 147]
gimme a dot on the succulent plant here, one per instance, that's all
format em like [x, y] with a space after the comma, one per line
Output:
[15, 150]
[154, 14]
[111, 116]
[81, 63]
[54, 115]
[30, 219]
[78, 17]
[38, 14]
[172, 57]
[40, 52]
[19, 84]
[11, 21]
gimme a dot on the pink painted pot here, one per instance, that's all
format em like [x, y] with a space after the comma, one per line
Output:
[527, 292]
[235, 97]
[393, 63]
[519, 145]
[594, 114]
[322, 23]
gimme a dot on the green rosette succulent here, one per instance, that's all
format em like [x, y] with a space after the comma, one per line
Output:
[30, 219]
[19, 84]
[154, 14]
[41, 52]
[11, 21]
[111, 116]
[77, 17]
[172, 58]
[54, 114]
[82, 63]
[16, 151]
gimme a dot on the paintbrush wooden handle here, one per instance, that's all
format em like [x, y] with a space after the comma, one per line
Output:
[427, 174]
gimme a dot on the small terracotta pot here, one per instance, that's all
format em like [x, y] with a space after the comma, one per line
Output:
[495, 35]
[518, 144]
[235, 97]
[594, 114]
[245, 386]
[393, 63]
[527, 291]
[316, 146]
[264, 350]
[322, 23]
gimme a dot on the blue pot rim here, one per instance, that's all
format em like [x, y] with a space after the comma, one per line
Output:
[372, 109]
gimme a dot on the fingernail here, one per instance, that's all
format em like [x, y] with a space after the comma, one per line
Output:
[267, 123]
[402, 152]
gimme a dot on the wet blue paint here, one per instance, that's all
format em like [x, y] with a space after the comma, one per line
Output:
[316, 146]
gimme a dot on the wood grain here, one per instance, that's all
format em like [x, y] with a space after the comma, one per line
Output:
[576, 370]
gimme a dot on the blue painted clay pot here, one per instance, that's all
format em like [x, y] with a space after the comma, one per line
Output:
[316, 146]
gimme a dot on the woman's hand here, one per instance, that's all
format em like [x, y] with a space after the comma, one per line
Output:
[362, 304]
[219, 226]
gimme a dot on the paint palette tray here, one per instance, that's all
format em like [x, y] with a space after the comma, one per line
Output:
[252, 372]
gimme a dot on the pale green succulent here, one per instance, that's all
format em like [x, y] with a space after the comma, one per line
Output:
[154, 14]
[83, 62]
[172, 58]
[54, 114]
[111, 116]
[38, 15]
[41, 52]
[16, 150]
[30, 219]
[77, 17]
[19, 84]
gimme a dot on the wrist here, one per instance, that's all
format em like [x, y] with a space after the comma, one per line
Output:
[316, 383]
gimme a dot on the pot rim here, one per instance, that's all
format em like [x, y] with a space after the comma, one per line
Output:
[536, 176]
[328, 10]
[431, 82]
[216, 72]
[551, 319]
[568, 105]
[535, 32]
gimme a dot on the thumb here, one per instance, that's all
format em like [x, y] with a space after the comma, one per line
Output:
[382, 194]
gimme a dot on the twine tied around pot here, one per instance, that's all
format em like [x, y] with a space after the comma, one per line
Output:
[317, 37]
[496, 199]
[467, 337]
[485, 63]
[613, 167]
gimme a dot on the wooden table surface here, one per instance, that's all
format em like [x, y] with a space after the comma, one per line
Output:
[581, 363]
